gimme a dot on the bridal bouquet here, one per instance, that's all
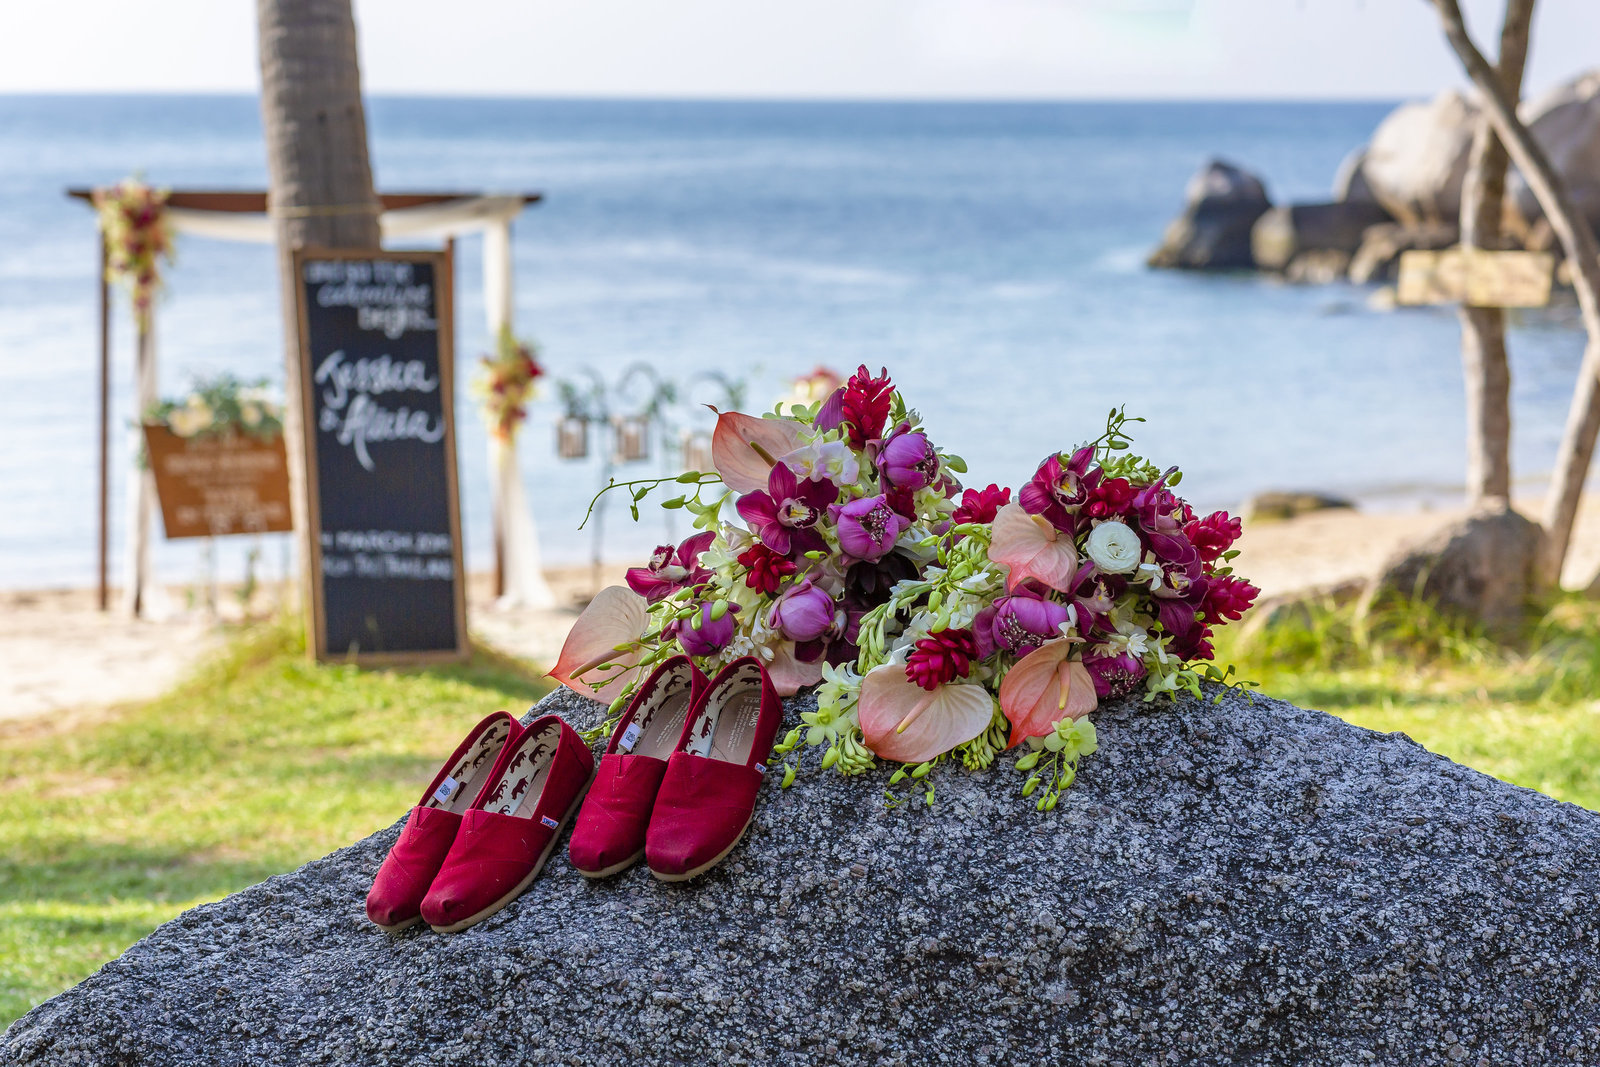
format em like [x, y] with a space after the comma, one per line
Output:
[939, 623]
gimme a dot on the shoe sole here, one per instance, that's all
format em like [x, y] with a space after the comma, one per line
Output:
[522, 886]
[397, 927]
[712, 862]
[615, 868]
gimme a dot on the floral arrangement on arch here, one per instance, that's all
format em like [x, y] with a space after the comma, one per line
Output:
[504, 384]
[138, 236]
[939, 623]
[220, 407]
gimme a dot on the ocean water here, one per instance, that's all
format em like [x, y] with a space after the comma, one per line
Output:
[990, 255]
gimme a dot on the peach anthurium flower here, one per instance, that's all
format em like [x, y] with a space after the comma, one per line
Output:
[744, 448]
[1030, 547]
[788, 674]
[902, 721]
[1046, 686]
[616, 616]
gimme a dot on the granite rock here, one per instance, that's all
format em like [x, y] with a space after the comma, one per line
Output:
[1241, 882]
[1221, 204]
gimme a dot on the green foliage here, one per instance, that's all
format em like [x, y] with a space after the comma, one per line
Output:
[113, 824]
[1525, 709]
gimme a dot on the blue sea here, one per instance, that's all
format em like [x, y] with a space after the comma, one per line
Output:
[990, 255]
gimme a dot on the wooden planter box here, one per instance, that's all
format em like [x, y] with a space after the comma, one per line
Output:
[212, 486]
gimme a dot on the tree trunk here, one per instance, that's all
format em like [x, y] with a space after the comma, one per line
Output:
[320, 191]
[1578, 241]
[1483, 331]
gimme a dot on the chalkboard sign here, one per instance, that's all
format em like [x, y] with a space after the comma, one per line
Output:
[384, 535]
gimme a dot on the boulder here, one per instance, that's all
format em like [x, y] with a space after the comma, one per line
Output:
[1274, 504]
[1221, 204]
[1378, 257]
[1479, 569]
[1350, 182]
[1283, 234]
[1566, 123]
[1238, 881]
[1417, 161]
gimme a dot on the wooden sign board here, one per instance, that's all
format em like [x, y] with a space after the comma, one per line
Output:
[1475, 277]
[218, 485]
[384, 517]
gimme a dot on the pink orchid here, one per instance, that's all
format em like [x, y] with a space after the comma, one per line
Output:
[1029, 546]
[745, 448]
[1044, 687]
[670, 569]
[784, 511]
[902, 721]
[615, 617]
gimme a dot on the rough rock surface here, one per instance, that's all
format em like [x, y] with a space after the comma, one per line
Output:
[1221, 204]
[1480, 568]
[1247, 883]
[1417, 161]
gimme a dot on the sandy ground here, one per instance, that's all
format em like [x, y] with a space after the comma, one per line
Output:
[59, 654]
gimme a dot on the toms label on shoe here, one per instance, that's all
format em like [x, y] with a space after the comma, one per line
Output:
[446, 790]
[761, 768]
[630, 737]
[548, 821]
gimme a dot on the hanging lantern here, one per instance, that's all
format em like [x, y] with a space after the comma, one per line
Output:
[572, 437]
[696, 449]
[632, 438]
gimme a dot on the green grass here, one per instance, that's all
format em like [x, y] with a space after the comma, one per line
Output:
[1524, 709]
[113, 824]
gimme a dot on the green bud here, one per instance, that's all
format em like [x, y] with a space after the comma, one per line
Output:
[688, 478]
[1028, 762]
[674, 504]
[788, 777]
[1041, 803]
[792, 738]
[829, 758]
[921, 770]
[697, 620]
[1050, 801]
[617, 705]
[718, 610]
[898, 776]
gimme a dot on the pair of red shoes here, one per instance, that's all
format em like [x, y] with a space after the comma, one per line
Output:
[677, 785]
[678, 781]
[487, 823]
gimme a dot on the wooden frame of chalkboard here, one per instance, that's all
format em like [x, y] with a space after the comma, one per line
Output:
[322, 644]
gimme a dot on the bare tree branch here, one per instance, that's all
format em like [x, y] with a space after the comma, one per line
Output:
[1578, 240]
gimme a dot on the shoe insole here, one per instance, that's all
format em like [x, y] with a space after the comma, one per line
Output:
[727, 730]
[521, 785]
[658, 723]
[460, 787]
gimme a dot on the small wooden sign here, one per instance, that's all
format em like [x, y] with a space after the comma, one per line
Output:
[384, 516]
[217, 485]
[1475, 277]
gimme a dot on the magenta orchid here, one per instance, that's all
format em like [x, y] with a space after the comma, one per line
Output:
[785, 515]
[671, 569]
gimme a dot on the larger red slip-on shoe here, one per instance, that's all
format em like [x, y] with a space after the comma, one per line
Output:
[708, 794]
[609, 834]
[512, 827]
[395, 900]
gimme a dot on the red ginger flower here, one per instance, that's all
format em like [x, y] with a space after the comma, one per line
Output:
[1109, 498]
[941, 657]
[1213, 535]
[768, 569]
[981, 505]
[865, 405]
[1228, 597]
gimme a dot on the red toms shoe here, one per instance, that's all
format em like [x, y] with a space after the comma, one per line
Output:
[395, 901]
[609, 834]
[708, 794]
[512, 827]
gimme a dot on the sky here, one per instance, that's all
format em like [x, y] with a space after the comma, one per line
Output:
[877, 49]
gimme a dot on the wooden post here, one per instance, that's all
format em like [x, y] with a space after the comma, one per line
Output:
[105, 426]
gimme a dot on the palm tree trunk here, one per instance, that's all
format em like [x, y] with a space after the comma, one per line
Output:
[320, 191]
[1484, 364]
[1583, 254]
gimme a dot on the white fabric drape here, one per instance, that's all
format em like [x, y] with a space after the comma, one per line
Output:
[143, 596]
[525, 586]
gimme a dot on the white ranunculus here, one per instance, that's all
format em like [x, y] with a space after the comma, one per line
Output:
[1114, 548]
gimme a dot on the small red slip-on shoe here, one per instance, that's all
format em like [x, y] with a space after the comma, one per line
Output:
[395, 900]
[609, 834]
[708, 794]
[512, 827]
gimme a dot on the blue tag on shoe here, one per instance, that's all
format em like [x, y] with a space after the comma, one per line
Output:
[548, 821]
[761, 768]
